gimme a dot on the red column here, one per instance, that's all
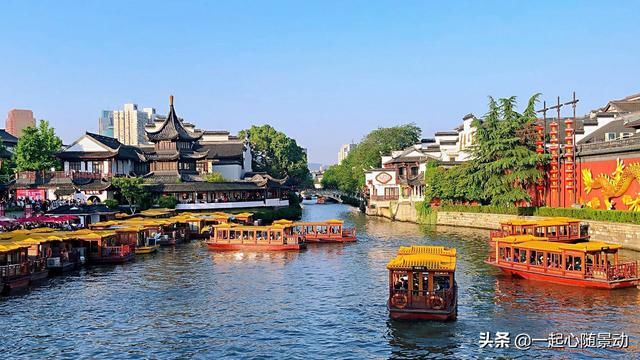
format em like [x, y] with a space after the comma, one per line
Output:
[569, 164]
[540, 150]
[554, 179]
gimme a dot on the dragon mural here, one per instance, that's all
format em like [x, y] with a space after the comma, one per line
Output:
[613, 186]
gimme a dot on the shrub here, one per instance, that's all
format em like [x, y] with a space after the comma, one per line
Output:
[592, 214]
[112, 203]
[215, 177]
[522, 211]
[168, 202]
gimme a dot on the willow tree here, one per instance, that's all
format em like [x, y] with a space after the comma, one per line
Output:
[505, 165]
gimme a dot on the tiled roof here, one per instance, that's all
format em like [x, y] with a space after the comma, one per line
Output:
[626, 106]
[172, 129]
[221, 149]
[615, 126]
[7, 138]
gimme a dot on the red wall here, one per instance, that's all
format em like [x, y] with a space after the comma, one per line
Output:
[606, 167]
[597, 167]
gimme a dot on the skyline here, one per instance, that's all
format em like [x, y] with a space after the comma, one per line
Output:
[341, 70]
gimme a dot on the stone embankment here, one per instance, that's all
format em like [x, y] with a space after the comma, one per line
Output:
[628, 235]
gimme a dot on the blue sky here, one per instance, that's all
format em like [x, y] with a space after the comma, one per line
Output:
[324, 72]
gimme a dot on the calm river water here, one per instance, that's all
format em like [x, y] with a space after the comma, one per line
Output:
[325, 302]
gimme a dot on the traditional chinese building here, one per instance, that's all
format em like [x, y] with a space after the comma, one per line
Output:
[175, 162]
[595, 159]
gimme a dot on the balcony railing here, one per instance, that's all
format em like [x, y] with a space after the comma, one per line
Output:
[46, 175]
[384, 197]
[612, 144]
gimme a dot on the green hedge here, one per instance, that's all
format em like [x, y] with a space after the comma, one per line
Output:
[583, 213]
[592, 214]
[521, 211]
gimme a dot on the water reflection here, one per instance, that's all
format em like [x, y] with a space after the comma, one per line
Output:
[326, 302]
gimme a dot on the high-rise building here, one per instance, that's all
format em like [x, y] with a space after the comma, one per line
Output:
[128, 124]
[105, 123]
[344, 151]
[18, 120]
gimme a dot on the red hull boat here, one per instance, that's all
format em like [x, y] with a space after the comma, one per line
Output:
[422, 284]
[588, 264]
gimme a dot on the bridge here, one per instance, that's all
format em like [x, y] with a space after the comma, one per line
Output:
[331, 195]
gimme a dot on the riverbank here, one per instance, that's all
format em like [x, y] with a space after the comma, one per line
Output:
[627, 235]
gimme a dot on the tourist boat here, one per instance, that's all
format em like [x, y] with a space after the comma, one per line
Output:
[322, 231]
[422, 284]
[148, 245]
[106, 248]
[14, 266]
[256, 238]
[592, 264]
[559, 229]
[142, 239]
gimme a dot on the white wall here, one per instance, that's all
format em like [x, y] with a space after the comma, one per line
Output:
[229, 172]
[247, 159]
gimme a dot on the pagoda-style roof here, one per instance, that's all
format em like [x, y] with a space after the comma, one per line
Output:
[173, 129]
[175, 155]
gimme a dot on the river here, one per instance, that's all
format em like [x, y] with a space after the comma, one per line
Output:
[325, 302]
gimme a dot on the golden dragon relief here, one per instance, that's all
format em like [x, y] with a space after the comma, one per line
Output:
[613, 186]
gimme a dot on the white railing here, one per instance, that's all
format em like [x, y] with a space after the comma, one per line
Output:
[234, 205]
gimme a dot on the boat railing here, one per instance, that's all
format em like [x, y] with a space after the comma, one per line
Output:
[14, 270]
[293, 239]
[498, 234]
[117, 251]
[429, 300]
[348, 232]
[628, 270]
[37, 264]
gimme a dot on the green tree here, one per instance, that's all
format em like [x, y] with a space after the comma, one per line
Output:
[504, 165]
[132, 190]
[37, 148]
[168, 202]
[278, 155]
[215, 177]
[348, 176]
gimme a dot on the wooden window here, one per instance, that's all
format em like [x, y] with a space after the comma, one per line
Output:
[75, 165]
[573, 263]
[96, 167]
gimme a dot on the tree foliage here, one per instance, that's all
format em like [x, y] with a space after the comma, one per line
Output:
[504, 164]
[348, 176]
[132, 190]
[215, 177]
[168, 202]
[37, 148]
[278, 155]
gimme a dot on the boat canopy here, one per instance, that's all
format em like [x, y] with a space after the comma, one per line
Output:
[591, 246]
[423, 260]
[422, 249]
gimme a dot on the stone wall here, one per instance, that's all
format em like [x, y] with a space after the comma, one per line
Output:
[394, 210]
[627, 235]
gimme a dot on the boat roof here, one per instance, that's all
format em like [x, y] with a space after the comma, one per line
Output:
[251, 227]
[22, 239]
[551, 221]
[424, 256]
[423, 249]
[428, 261]
[590, 246]
[321, 222]
[516, 239]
